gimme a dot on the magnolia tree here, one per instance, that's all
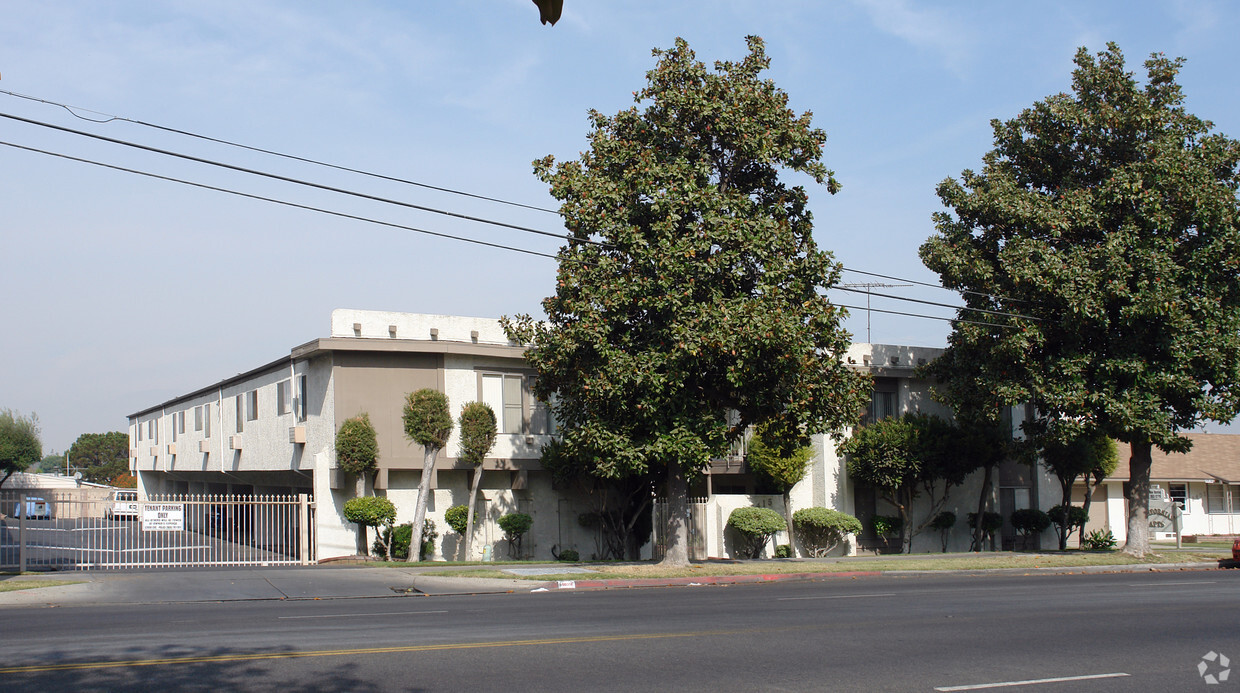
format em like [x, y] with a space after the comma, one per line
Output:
[1103, 234]
[427, 423]
[690, 298]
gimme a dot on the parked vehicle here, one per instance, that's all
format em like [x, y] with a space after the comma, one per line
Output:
[36, 509]
[122, 505]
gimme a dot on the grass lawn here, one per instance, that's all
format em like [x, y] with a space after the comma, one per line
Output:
[14, 585]
[1069, 559]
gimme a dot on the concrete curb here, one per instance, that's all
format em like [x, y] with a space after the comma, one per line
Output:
[704, 581]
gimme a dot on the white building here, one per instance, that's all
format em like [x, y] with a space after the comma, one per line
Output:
[272, 430]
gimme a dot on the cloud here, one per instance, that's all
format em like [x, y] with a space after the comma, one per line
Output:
[927, 29]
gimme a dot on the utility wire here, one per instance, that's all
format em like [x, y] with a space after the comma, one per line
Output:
[929, 317]
[932, 285]
[564, 237]
[934, 303]
[73, 110]
[279, 202]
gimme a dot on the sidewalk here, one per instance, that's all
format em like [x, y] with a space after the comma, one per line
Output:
[341, 581]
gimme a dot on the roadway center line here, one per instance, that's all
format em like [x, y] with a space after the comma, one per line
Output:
[838, 596]
[1008, 684]
[387, 613]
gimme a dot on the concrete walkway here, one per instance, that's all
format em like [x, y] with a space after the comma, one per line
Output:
[344, 581]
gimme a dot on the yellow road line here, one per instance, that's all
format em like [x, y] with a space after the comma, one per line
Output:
[351, 652]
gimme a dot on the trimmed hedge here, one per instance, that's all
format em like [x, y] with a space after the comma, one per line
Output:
[822, 529]
[756, 527]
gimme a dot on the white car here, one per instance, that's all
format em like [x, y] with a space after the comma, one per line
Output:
[123, 504]
[36, 509]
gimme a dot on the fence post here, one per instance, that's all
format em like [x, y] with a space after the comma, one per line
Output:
[21, 534]
[303, 527]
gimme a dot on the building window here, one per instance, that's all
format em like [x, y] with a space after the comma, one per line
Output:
[882, 406]
[152, 431]
[542, 422]
[240, 413]
[503, 394]
[1179, 495]
[197, 418]
[1222, 498]
[251, 405]
[179, 419]
[174, 427]
[284, 397]
[300, 403]
[139, 427]
[206, 420]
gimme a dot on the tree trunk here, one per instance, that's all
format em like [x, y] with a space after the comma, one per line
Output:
[1089, 495]
[792, 544]
[419, 510]
[677, 553]
[1067, 503]
[1137, 493]
[983, 502]
[468, 539]
[359, 491]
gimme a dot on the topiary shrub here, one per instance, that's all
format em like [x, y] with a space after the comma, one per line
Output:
[373, 511]
[457, 518]
[515, 525]
[783, 551]
[991, 523]
[1030, 522]
[357, 447]
[756, 527]
[822, 529]
[569, 555]
[943, 522]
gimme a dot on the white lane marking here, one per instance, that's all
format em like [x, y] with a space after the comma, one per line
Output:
[1162, 584]
[838, 596]
[1007, 684]
[387, 613]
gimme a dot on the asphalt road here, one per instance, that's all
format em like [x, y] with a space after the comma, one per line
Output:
[1128, 632]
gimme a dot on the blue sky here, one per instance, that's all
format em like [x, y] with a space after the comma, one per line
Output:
[122, 291]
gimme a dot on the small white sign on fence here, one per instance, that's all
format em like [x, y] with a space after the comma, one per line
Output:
[163, 517]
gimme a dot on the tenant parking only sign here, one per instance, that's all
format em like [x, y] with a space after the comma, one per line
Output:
[163, 517]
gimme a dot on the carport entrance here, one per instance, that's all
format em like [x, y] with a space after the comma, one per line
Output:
[64, 532]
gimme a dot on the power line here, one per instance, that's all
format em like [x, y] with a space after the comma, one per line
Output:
[279, 202]
[73, 110]
[930, 317]
[932, 286]
[566, 237]
[937, 304]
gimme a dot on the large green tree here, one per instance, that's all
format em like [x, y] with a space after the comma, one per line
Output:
[690, 299]
[101, 457]
[1109, 217]
[20, 445]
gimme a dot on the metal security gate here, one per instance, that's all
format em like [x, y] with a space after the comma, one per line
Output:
[697, 529]
[55, 530]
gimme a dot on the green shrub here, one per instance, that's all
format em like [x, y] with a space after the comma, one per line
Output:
[1030, 521]
[822, 529]
[372, 511]
[1099, 540]
[943, 521]
[457, 518]
[783, 551]
[570, 556]
[887, 525]
[756, 527]
[515, 525]
[400, 535]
